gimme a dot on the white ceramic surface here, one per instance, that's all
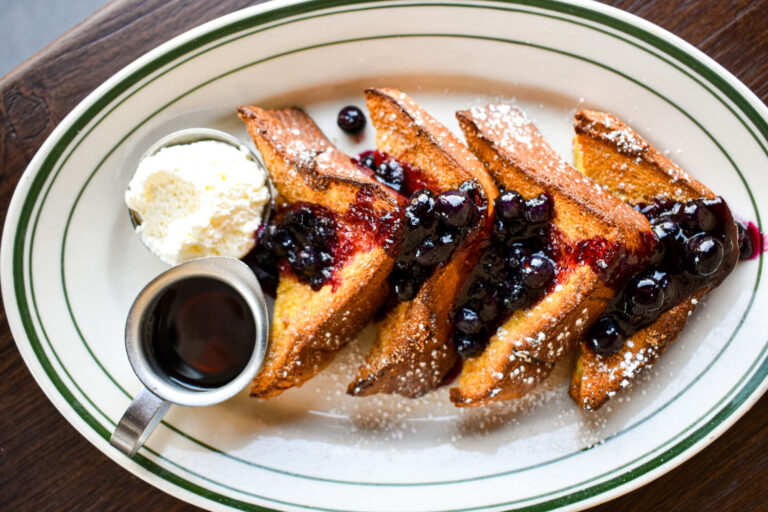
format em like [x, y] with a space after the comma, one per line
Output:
[71, 264]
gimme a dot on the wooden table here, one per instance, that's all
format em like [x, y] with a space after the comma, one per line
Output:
[46, 465]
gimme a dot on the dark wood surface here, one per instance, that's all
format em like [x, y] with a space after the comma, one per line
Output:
[45, 465]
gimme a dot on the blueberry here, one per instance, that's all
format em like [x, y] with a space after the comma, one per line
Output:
[325, 258]
[703, 254]
[299, 220]
[510, 205]
[317, 281]
[307, 261]
[650, 210]
[667, 285]
[646, 293]
[665, 227]
[699, 217]
[431, 252]
[746, 246]
[538, 209]
[512, 296]
[292, 257]
[468, 346]
[351, 119]
[659, 251]
[425, 252]
[669, 234]
[420, 211]
[605, 337]
[468, 321]
[517, 256]
[283, 242]
[391, 174]
[404, 287]
[369, 161]
[266, 240]
[322, 233]
[448, 240]
[454, 208]
[500, 232]
[538, 273]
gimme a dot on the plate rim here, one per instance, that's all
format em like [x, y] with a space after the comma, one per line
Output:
[26, 183]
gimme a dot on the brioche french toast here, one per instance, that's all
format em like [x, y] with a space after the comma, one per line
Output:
[450, 207]
[586, 242]
[698, 250]
[335, 242]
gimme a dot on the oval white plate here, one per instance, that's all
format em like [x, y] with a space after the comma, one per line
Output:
[71, 265]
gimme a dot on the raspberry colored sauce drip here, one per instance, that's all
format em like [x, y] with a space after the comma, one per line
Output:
[515, 271]
[435, 224]
[363, 227]
[697, 249]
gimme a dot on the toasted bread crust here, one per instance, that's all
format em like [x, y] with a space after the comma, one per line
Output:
[608, 151]
[412, 351]
[596, 378]
[648, 174]
[518, 158]
[306, 166]
[309, 326]
[524, 349]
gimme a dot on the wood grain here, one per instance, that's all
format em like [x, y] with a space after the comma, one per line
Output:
[45, 465]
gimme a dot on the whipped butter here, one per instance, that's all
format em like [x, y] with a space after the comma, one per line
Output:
[196, 200]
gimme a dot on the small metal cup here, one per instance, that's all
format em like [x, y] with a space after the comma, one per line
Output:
[149, 406]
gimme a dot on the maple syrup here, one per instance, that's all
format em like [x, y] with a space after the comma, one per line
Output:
[202, 332]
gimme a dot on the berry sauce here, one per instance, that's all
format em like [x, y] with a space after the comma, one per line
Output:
[314, 243]
[696, 249]
[435, 224]
[527, 257]
[399, 176]
[516, 269]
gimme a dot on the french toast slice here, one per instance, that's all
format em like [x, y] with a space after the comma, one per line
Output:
[595, 238]
[310, 326]
[412, 351]
[615, 156]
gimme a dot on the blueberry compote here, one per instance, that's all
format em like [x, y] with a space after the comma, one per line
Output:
[696, 249]
[304, 238]
[397, 175]
[434, 224]
[515, 270]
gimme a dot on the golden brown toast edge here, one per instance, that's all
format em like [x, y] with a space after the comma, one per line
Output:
[309, 326]
[412, 351]
[525, 347]
[304, 164]
[614, 155]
